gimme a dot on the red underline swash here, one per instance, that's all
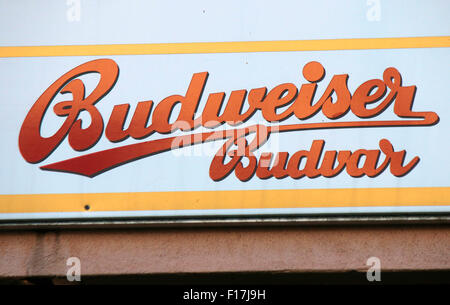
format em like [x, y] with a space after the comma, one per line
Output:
[93, 164]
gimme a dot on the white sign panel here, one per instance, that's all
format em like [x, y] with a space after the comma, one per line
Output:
[129, 109]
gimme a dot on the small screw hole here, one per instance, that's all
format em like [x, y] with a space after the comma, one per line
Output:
[87, 207]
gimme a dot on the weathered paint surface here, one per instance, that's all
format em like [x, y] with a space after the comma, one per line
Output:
[291, 249]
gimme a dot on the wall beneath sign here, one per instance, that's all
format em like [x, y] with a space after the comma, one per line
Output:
[28, 254]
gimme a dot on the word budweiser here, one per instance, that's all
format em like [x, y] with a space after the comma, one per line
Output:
[276, 105]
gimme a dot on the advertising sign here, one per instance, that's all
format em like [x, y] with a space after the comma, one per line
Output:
[154, 109]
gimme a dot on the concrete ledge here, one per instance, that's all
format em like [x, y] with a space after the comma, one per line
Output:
[231, 249]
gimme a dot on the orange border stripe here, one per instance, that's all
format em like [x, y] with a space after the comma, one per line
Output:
[227, 47]
[206, 200]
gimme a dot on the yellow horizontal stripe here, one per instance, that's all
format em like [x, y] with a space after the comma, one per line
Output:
[254, 199]
[228, 47]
